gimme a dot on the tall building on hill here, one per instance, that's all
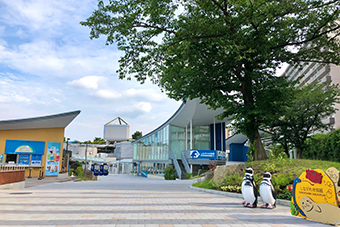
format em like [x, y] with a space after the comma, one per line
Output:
[312, 72]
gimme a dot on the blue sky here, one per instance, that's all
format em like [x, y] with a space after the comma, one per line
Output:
[48, 65]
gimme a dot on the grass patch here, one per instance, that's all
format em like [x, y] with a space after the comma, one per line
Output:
[283, 171]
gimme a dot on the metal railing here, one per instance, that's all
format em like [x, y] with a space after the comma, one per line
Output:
[175, 162]
[12, 167]
[185, 163]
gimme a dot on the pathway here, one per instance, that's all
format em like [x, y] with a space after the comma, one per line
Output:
[125, 200]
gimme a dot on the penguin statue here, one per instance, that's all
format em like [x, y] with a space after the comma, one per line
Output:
[248, 188]
[267, 192]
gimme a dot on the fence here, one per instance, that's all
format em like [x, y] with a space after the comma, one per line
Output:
[11, 167]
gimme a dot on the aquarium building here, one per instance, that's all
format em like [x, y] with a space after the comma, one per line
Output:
[189, 139]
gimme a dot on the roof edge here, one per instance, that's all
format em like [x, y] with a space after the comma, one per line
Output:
[164, 124]
[24, 120]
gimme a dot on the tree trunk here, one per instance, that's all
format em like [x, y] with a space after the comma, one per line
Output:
[260, 153]
[298, 153]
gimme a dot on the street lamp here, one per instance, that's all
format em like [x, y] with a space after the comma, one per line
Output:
[67, 156]
[85, 158]
[68, 139]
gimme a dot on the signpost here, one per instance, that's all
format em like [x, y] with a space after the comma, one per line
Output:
[203, 154]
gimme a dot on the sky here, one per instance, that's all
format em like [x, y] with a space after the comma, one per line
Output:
[49, 65]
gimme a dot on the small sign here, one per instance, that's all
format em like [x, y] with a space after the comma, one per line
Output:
[203, 154]
[36, 160]
[24, 159]
[144, 173]
[1, 158]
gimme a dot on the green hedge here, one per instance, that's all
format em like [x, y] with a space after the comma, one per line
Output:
[323, 147]
[169, 173]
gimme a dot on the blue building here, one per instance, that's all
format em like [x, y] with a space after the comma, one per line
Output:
[193, 126]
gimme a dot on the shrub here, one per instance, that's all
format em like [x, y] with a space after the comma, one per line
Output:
[233, 179]
[285, 194]
[188, 175]
[79, 172]
[169, 173]
[231, 188]
[323, 147]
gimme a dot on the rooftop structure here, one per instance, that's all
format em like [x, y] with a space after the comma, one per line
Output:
[116, 130]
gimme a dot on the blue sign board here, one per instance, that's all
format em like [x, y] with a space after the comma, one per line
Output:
[36, 160]
[24, 159]
[203, 154]
[24, 147]
[1, 158]
[144, 173]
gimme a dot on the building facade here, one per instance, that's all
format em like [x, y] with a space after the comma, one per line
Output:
[36, 144]
[311, 72]
[194, 126]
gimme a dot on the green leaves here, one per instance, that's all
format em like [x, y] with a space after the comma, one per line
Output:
[223, 52]
[304, 113]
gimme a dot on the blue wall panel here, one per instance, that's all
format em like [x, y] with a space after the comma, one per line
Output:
[238, 152]
[219, 146]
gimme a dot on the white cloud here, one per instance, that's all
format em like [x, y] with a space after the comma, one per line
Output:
[148, 94]
[13, 97]
[144, 106]
[89, 82]
[49, 65]
[106, 94]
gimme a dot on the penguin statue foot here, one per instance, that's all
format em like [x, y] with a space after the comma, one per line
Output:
[251, 205]
[244, 202]
[270, 206]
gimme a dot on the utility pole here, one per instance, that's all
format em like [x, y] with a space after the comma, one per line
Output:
[85, 158]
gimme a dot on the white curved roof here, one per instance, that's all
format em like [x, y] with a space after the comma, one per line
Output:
[50, 121]
[200, 114]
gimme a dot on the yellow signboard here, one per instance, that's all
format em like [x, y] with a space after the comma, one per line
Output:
[315, 196]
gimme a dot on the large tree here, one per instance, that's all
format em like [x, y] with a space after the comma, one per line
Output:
[306, 112]
[224, 52]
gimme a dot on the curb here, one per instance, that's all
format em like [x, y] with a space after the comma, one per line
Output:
[236, 195]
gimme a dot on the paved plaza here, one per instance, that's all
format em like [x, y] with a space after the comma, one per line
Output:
[126, 200]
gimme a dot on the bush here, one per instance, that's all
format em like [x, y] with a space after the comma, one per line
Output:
[231, 188]
[323, 147]
[79, 172]
[169, 173]
[188, 175]
[285, 194]
[232, 179]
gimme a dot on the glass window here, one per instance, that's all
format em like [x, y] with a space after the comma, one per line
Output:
[11, 158]
[154, 147]
[173, 135]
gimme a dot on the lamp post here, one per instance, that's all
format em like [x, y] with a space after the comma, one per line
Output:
[67, 155]
[85, 158]
[68, 139]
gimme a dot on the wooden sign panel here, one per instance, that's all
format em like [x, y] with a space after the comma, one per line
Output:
[315, 196]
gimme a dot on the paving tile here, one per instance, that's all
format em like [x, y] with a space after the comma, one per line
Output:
[130, 201]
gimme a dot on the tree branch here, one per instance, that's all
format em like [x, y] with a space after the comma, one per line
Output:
[144, 25]
[307, 40]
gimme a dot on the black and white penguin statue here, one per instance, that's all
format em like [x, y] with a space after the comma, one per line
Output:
[267, 192]
[249, 190]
